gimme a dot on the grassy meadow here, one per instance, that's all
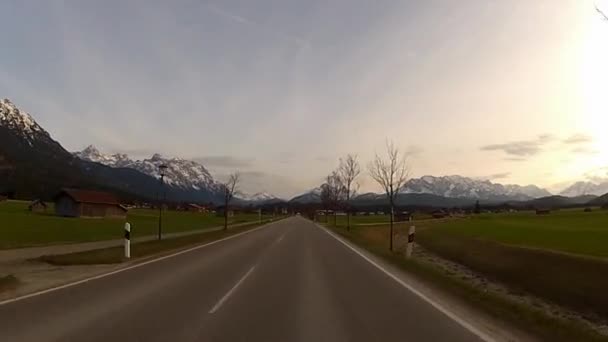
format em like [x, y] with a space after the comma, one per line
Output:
[21, 228]
[569, 231]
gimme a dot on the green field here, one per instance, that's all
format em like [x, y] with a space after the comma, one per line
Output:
[364, 220]
[570, 231]
[561, 257]
[21, 228]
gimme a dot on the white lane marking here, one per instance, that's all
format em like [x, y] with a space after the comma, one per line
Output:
[483, 336]
[227, 295]
[281, 238]
[12, 300]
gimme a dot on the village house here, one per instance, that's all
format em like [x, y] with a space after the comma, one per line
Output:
[543, 211]
[195, 208]
[37, 206]
[88, 203]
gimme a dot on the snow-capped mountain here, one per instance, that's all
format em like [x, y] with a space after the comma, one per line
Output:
[585, 188]
[463, 187]
[259, 198]
[180, 173]
[312, 196]
[21, 123]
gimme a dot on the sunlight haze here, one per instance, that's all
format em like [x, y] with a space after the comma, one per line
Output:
[511, 91]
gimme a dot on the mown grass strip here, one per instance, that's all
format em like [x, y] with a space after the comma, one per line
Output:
[115, 255]
[8, 282]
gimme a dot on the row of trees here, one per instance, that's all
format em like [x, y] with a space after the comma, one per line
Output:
[389, 170]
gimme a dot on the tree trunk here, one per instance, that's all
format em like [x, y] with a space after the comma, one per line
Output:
[391, 230]
[348, 211]
[226, 214]
[347, 220]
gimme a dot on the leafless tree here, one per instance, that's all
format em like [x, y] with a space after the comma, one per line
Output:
[604, 15]
[348, 172]
[229, 188]
[332, 192]
[390, 172]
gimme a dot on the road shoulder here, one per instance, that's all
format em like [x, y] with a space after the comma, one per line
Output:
[483, 325]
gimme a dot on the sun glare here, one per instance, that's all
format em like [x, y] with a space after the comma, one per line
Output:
[594, 85]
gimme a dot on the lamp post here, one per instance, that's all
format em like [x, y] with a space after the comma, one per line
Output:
[161, 171]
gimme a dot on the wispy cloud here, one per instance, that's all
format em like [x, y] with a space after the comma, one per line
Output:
[522, 148]
[224, 162]
[229, 15]
[501, 175]
[243, 20]
[578, 139]
[584, 150]
[414, 150]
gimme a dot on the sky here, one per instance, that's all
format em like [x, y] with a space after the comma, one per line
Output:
[510, 91]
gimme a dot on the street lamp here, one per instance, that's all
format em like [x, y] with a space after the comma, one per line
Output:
[161, 171]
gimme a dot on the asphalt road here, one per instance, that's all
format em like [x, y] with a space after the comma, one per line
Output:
[290, 281]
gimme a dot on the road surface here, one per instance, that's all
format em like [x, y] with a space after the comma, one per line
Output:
[290, 281]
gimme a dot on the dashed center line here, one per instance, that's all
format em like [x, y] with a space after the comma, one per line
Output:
[227, 295]
[281, 238]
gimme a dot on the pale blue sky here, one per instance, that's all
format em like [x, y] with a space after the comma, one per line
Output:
[281, 88]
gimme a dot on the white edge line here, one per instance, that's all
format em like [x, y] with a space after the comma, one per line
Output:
[99, 276]
[229, 293]
[439, 307]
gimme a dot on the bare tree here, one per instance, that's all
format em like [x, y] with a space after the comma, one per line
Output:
[229, 188]
[390, 172]
[604, 15]
[325, 198]
[348, 172]
[332, 192]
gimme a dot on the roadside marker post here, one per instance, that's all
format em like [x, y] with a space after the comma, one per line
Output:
[127, 240]
[410, 241]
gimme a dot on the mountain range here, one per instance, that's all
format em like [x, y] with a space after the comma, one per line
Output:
[33, 164]
[585, 188]
[463, 187]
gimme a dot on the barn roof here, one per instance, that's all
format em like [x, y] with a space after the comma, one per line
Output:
[90, 196]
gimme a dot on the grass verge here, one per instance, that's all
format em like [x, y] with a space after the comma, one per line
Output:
[8, 282]
[529, 319]
[114, 255]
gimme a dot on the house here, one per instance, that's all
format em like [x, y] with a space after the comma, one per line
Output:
[403, 216]
[195, 208]
[438, 214]
[88, 203]
[543, 211]
[37, 206]
[221, 212]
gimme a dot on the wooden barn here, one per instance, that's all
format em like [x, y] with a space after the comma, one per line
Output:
[88, 203]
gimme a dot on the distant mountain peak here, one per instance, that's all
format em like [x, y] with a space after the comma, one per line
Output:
[20, 121]
[456, 186]
[585, 188]
[259, 197]
[181, 173]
